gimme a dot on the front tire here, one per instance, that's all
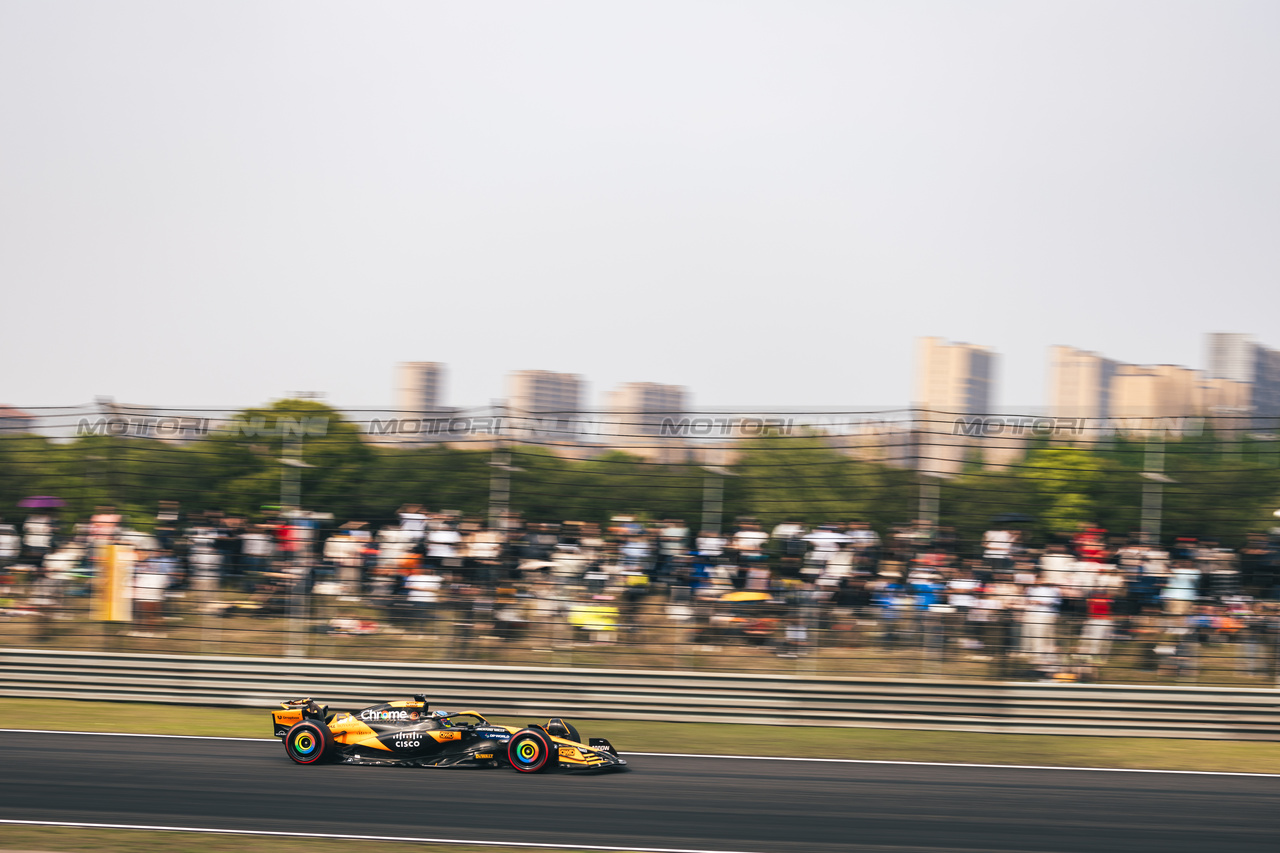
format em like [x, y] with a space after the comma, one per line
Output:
[531, 751]
[308, 742]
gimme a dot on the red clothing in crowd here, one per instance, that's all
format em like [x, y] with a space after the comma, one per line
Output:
[1099, 607]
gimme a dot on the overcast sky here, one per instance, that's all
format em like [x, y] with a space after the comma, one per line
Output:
[224, 202]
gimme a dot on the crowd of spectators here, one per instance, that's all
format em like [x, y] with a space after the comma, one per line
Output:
[1061, 609]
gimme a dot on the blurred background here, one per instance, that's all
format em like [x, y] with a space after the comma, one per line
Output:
[898, 542]
[828, 366]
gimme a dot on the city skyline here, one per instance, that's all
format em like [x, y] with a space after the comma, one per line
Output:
[964, 378]
[420, 386]
[1086, 384]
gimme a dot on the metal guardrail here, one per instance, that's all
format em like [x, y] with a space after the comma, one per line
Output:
[672, 696]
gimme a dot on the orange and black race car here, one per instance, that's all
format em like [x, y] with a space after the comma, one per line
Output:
[407, 734]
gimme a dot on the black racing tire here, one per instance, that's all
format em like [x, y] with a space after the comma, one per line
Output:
[573, 733]
[531, 751]
[309, 742]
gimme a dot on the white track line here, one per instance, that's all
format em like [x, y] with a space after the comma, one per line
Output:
[131, 734]
[958, 764]
[737, 758]
[344, 837]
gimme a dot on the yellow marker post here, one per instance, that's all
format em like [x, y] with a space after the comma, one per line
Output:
[113, 601]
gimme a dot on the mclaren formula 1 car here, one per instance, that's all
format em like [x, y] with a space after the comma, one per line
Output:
[406, 733]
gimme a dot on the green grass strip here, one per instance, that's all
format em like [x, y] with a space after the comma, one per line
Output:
[30, 839]
[715, 738]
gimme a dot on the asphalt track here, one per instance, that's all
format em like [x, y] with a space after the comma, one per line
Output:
[664, 802]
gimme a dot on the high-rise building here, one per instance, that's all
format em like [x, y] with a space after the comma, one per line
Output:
[1079, 383]
[1265, 394]
[1237, 357]
[636, 414]
[544, 403]
[954, 378]
[639, 408]
[1154, 391]
[1232, 355]
[1146, 398]
[544, 391]
[1222, 396]
[419, 386]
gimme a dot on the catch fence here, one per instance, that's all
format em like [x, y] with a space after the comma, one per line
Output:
[905, 543]
[1206, 476]
[540, 619]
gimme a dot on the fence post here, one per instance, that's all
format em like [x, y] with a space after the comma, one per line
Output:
[1153, 488]
[500, 476]
[927, 479]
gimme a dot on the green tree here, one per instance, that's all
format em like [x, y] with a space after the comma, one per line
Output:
[1065, 485]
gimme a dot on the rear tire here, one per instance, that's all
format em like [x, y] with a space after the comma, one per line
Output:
[308, 742]
[531, 751]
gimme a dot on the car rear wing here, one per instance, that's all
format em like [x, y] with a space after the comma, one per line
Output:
[294, 711]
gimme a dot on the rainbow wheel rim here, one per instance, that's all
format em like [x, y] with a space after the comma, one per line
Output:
[527, 751]
[304, 744]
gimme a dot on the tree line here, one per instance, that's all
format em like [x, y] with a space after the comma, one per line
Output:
[1223, 487]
